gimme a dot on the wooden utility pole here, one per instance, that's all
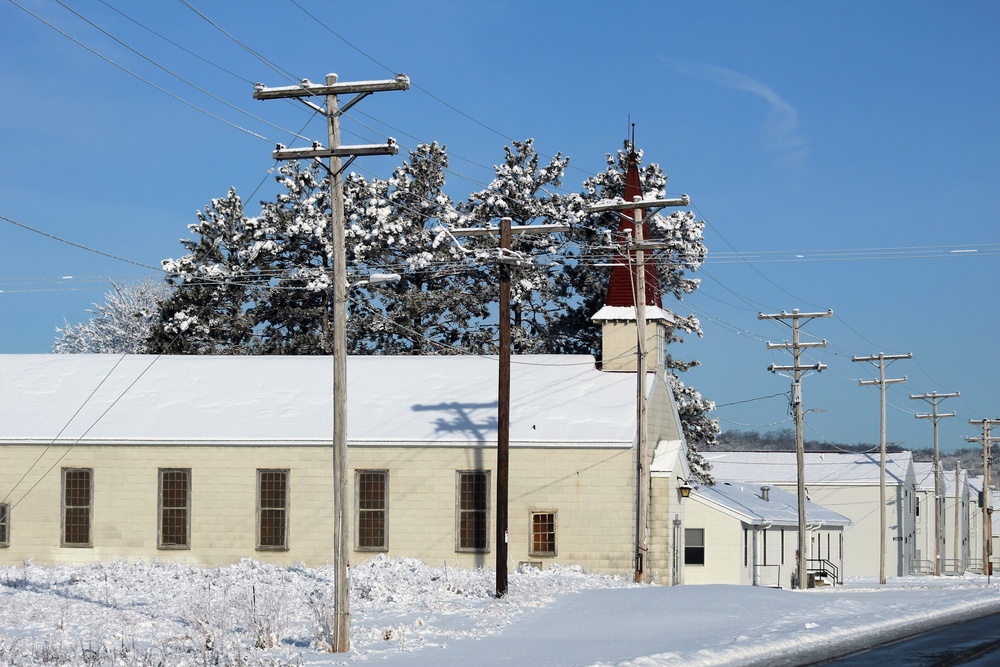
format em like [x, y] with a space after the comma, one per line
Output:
[506, 259]
[796, 346]
[959, 566]
[882, 382]
[638, 247]
[503, 411]
[936, 416]
[987, 441]
[303, 91]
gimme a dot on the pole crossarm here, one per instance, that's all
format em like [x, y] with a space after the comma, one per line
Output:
[774, 368]
[313, 152]
[886, 357]
[514, 229]
[866, 383]
[622, 205]
[309, 89]
[794, 315]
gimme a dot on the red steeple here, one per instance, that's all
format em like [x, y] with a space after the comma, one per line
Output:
[621, 289]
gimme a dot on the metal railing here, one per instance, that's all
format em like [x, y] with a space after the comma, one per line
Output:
[768, 575]
[822, 568]
[952, 566]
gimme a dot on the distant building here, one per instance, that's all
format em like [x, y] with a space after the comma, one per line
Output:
[848, 484]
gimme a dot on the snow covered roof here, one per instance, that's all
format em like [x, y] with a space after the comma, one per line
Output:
[827, 468]
[670, 458]
[555, 400]
[746, 502]
[924, 473]
[627, 314]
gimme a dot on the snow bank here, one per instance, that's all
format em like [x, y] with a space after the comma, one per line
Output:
[405, 612]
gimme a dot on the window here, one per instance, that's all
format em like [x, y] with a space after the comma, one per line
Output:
[78, 495]
[543, 534]
[4, 525]
[372, 500]
[272, 510]
[694, 546]
[175, 509]
[473, 515]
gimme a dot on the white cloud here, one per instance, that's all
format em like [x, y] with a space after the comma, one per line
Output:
[782, 133]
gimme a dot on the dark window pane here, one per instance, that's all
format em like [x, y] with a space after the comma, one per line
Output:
[371, 490]
[473, 504]
[76, 506]
[543, 533]
[272, 528]
[175, 493]
[694, 546]
[77, 525]
[273, 489]
[272, 511]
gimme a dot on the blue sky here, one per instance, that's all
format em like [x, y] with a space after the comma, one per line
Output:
[843, 155]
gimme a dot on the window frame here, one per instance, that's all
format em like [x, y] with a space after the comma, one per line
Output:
[161, 509]
[4, 525]
[691, 549]
[285, 509]
[361, 526]
[461, 513]
[66, 507]
[551, 534]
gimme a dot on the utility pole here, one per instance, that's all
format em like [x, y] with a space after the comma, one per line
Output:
[936, 416]
[638, 247]
[796, 346]
[333, 111]
[956, 545]
[987, 441]
[882, 382]
[506, 259]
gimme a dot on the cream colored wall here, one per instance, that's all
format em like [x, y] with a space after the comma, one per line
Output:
[124, 512]
[723, 547]
[618, 341]
[591, 490]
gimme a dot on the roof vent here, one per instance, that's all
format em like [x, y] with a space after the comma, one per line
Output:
[765, 493]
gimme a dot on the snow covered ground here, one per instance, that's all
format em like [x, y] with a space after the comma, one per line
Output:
[405, 613]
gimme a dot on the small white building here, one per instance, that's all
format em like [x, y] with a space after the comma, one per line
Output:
[740, 533]
[848, 484]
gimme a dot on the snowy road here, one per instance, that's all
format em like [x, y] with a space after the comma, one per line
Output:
[973, 643]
